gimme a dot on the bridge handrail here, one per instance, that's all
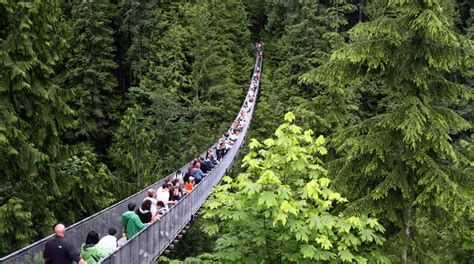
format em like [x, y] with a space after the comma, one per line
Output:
[110, 216]
[150, 243]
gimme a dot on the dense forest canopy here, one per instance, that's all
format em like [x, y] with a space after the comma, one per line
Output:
[99, 99]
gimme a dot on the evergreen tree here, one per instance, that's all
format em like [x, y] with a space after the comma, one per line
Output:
[300, 43]
[137, 19]
[90, 73]
[399, 164]
[165, 88]
[165, 124]
[130, 152]
[302, 47]
[33, 115]
[256, 15]
[467, 111]
[86, 186]
[220, 68]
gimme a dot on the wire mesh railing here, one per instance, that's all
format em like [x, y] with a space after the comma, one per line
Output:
[152, 241]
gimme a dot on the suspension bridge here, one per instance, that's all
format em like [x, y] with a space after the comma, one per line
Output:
[152, 241]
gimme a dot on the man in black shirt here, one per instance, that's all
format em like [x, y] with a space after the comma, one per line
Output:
[59, 251]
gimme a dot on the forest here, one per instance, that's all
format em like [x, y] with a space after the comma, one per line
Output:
[361, 148]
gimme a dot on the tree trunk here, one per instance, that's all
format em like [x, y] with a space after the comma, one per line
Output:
[408, 217]
[407, 231]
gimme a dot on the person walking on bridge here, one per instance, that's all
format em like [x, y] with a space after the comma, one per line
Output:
[58, 251]
[132, 223]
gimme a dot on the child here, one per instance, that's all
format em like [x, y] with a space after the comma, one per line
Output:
[188, 187]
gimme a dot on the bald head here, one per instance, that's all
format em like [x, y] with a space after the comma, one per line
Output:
[60, 230]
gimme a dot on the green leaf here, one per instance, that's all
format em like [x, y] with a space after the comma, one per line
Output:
[227, 179]
[254, 144]
[308, 251]
[308, 136]
[324, 182]
[320, 141]
[289, 117]
[346, 256]
[267, 198]
[269, 142]
[372, 222]
[355, 221]
[324, 242]
[282, 217]
[299, 164]
[366, 235]
[322, 150]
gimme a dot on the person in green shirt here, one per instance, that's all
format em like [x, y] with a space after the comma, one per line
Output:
[132, 223]
[90, 251]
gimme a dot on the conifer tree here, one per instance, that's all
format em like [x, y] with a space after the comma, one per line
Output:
[219, 31]
[256, 13]
[137, 20]
[399, 163]
[299, 43]
[33, 115]
[302, 47]
[130, 152]
[90, 73]
[468, 110]
[87, 186]
[165, 89]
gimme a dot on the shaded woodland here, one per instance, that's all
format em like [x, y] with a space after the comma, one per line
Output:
[101, 98]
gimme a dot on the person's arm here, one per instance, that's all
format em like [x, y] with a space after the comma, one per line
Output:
[47, 254]
[200, 173]
[103, 253]
[81, 261]
[139, 223]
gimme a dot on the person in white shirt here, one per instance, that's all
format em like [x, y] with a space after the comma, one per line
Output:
[233, 137]
[228, 145]
[109, 243]
[152, 198]
[179, 176]
[163, 194]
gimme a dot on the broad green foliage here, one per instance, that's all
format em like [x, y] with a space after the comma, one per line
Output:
[399, 164]
[279, 209]
[388, 82]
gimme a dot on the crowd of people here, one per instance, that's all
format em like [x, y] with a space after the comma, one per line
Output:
[157, 202]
